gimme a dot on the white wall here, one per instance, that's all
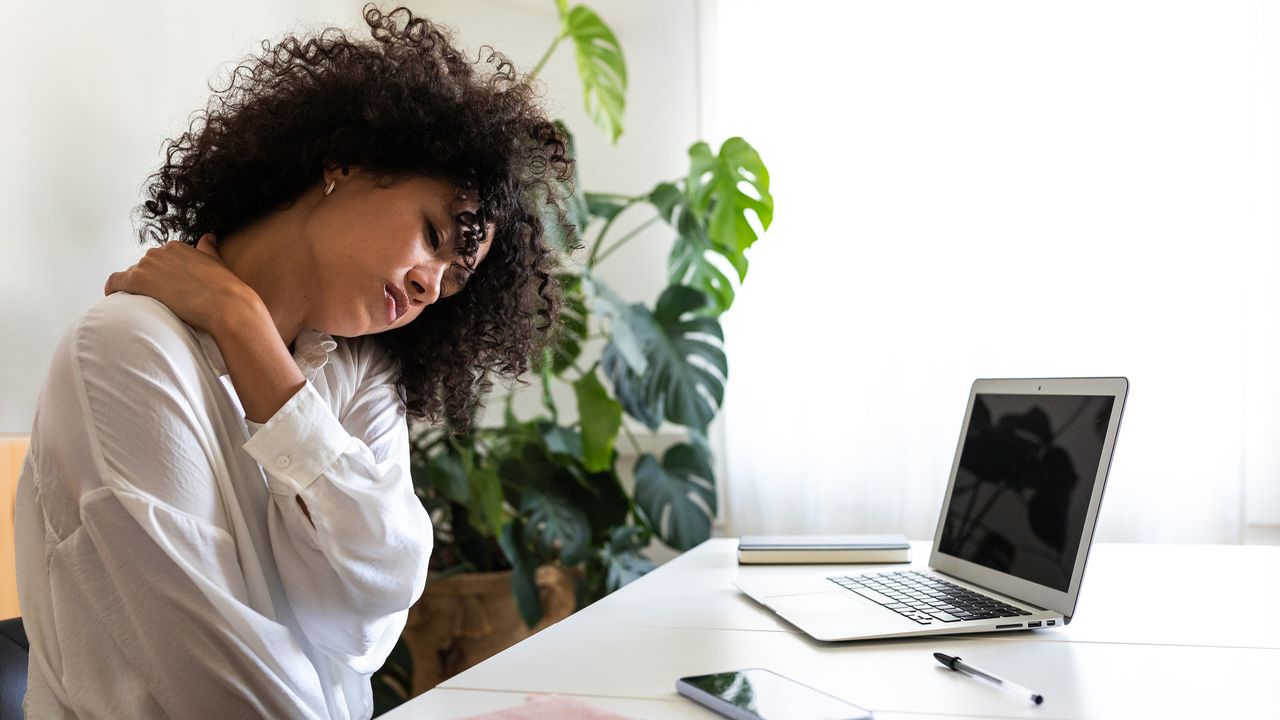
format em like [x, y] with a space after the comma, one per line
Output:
[92, 89]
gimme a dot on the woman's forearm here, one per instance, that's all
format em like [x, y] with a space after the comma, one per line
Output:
[261, 368]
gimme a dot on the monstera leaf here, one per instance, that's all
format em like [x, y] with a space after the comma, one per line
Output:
[692, 263]
[602, 497]
[691, 260]
[554, 527]
[600, 65]
[601, 417]
[623, 562]
[560, 440]
[667, 199]
[550, 463]
[485, 489]
[449, 477]
[678, 495]
[631, 326]
[686, 367]
[712, 218]
[572, 334]
[724, 188]
[605, 205]
[524, 583]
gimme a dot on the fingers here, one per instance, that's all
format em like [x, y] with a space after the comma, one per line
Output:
[208, 244]
[160, 262]
[113, 284]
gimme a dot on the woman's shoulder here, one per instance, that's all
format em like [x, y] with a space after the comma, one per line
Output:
[123, 326]
[123, 312]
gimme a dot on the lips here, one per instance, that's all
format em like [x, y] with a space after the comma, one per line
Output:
[397, 302]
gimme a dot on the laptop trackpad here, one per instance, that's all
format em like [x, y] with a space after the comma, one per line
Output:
[837, 615]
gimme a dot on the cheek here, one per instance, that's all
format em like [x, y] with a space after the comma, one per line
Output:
[335, 256]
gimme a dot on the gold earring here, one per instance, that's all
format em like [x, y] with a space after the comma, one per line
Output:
[329, 188]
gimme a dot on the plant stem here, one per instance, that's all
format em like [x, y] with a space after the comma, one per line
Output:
[595, 249]
[635, 444]
[547, 400]
[562, 378]
[546, 56]
[622, 240]
[643, 519]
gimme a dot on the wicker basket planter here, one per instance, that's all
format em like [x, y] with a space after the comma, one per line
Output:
[467, 618]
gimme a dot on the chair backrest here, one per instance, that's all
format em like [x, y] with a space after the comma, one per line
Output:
[13, 667]
[13, 449]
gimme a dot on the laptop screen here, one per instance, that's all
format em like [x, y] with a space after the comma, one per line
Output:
[1022, 489]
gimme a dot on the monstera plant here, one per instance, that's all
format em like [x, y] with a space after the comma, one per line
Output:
[548, 490]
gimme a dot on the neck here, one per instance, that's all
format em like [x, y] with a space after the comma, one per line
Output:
[269, 256]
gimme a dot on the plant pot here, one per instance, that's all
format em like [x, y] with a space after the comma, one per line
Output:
[467, 618]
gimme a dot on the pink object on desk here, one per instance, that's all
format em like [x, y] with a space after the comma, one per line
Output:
[553, 707]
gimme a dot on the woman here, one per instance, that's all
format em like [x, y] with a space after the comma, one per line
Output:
[216, 518]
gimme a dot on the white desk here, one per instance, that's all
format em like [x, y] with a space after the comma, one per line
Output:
[1160, 631]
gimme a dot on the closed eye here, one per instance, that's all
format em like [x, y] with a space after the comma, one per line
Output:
[433, 236]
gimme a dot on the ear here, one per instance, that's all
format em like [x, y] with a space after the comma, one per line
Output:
[334, 171]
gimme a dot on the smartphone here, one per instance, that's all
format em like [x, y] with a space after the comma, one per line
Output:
[759, 694]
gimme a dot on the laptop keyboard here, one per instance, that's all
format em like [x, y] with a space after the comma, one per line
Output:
[926, 599]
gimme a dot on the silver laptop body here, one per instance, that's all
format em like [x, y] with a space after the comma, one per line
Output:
[1013, 535]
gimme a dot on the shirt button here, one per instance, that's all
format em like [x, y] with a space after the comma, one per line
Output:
[282, 461]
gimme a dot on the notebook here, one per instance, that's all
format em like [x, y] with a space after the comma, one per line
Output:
[552, 707]
[822, 549]
[1013, 533]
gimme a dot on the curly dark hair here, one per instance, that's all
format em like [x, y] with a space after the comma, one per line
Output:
[406, 103]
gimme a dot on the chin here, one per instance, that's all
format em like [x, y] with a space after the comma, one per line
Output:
[348, 328]
[385, 328]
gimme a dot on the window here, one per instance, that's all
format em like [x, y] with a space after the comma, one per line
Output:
[1003, 189]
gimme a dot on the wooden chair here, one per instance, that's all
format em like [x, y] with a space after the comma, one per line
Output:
[13, 448]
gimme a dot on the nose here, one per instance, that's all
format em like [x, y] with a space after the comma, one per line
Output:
[425, 282]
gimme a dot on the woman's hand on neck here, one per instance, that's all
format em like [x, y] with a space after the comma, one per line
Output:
[271, 256]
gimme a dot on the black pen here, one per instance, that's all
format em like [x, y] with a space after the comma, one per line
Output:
[959, 665]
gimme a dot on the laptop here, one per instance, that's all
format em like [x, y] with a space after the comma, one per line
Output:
[1013, 534]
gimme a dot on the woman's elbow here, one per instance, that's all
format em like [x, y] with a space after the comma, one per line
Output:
[400, 576]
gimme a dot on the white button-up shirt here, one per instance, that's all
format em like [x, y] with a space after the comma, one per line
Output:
[163, 573]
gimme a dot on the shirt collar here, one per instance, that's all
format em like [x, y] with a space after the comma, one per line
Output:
[310, 353]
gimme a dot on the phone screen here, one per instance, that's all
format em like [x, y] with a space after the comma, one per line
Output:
[764, 694]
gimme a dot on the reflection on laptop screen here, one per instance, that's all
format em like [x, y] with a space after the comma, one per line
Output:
[1022, 490]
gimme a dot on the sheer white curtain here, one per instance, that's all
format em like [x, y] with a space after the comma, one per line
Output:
[1002, 189]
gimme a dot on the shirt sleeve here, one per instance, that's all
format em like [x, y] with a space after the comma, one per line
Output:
[153, 557]
[353, 570]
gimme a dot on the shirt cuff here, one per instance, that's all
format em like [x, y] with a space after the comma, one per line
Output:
[299, 442]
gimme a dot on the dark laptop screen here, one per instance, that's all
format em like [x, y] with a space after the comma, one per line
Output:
[1026, 473]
